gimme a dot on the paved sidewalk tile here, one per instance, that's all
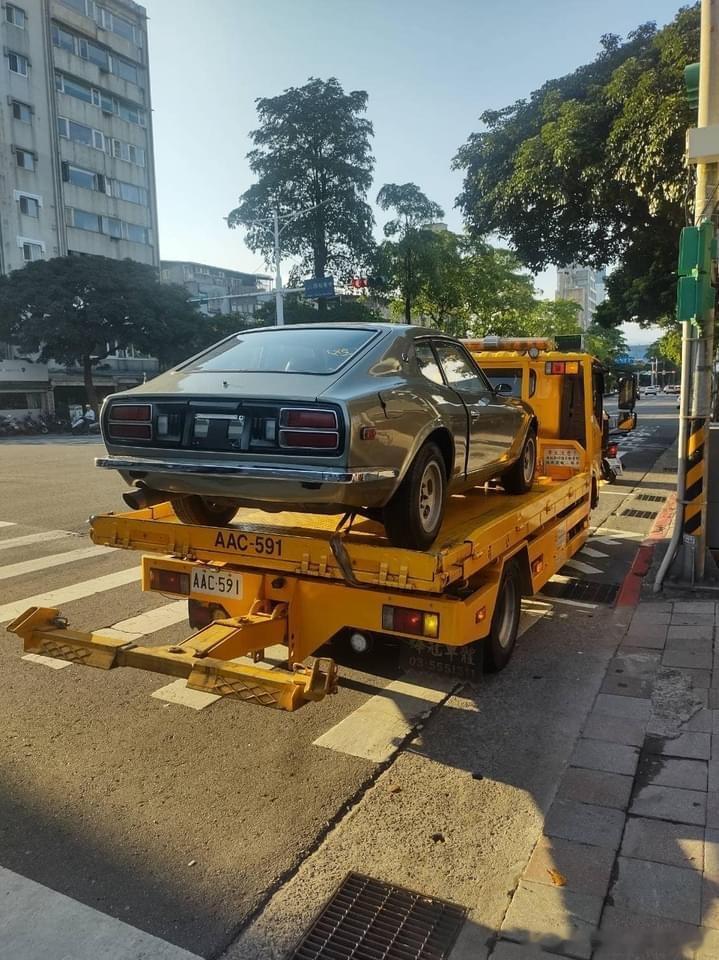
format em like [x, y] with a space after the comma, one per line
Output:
[585, 869]
[700, 645]
[694, 606]
[600, 755]
[710, 903]
[713, 809]
[556, 918]
[614, 729]
[696, 631]
[700, 679]
[645, 637]
[632, 708]
[658, 889]
[506, 950]
[670, 803]
[625, 935]
[673, 772]
[691, 619]
[693, 746]
[677, 844]
[711, 853]
[701, 722]
[709, 949]
[585, 823]
[689, 659]
[595, 786]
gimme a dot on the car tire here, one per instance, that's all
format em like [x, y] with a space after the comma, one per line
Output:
[414, 515]
[202, 511]
[520, 476]
[499, 645]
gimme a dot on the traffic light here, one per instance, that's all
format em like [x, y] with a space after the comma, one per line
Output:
[691, 84]
[695, 293]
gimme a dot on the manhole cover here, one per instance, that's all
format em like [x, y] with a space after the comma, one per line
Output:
[586, 591]
[651, 496]
[640, 514]
[370, 920]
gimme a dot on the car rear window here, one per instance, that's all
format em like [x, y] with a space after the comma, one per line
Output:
[320, 351]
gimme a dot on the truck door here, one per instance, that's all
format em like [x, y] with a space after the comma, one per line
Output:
[492, 423]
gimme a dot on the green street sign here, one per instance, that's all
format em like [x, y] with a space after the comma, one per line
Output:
[691, 84]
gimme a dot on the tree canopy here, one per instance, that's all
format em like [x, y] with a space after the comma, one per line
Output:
[313, 161]
[79, 309]
[590, 168]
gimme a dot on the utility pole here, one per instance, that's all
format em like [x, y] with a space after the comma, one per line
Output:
[279, 299]
[687, 553]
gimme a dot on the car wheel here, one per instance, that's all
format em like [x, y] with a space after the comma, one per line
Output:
[414, 515]
[520, 476]
[499, 645]
[203, 511]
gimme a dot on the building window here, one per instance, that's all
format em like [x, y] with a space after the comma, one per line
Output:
[107, 103]
[17, 63]
[128, 152]
[136, 233]
[63, 38]
[80, 177]
[77, 5]
[80, 133]
[129, 192]
[112, 227]
[24, 158]
[95, 53]
[21, 111]
[31, 249]
[109, 226]
[73, 88]
[29, 206]
[84, 220]
[15, 15]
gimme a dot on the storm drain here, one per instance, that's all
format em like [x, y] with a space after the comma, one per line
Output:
[585, 591]
[370, 920]
[651, 496]
[640, 514]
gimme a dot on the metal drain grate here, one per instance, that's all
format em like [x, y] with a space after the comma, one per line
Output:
[655, 498]
[370, 920]
[585, 591]
[640, 514]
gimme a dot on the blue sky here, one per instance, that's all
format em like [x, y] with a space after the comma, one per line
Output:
[430, 67]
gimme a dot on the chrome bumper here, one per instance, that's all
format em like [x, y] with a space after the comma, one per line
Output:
[253, 471]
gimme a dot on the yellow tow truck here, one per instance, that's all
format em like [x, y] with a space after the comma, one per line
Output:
[299, 581]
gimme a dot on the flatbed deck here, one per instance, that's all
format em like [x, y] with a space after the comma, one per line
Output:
[479, 526]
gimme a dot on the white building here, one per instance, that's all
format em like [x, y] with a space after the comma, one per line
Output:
[584, 286]
[217, 290]
[76, 152]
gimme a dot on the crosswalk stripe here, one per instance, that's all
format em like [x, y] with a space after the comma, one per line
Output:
[45, 563]
[77, 591]
[7, 523]
[40, 922]
[375, 730]
[149, 622]
[45, 537]
[596, 554]
[581, 567]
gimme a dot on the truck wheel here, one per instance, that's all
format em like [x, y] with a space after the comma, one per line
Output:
[499, 645]
[520, 476]
[202, 511]
[414, 515]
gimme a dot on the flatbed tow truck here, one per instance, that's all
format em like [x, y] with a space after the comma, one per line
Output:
[301, 580]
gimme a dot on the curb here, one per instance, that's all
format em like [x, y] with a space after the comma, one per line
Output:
[630, 590]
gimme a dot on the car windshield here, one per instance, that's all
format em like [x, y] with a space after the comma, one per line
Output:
[320, 350]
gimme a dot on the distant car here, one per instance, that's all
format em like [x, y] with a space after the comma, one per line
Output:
[382, 419]
[651, 391]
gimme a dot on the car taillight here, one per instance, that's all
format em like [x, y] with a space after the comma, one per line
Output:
[309, 419]
[405, 620]
[309, 429]
[130, 421]
[169, 581]
[309, 439]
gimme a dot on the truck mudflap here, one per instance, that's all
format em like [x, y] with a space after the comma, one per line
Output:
[207, 659]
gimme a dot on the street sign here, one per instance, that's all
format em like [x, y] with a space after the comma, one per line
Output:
[315, 289]
[623, 358]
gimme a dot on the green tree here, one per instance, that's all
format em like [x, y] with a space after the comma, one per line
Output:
[605, 343]
[590, 168]
[668, 347]
[408, 259]
[553, 318]
[313, 162]
[80, 309]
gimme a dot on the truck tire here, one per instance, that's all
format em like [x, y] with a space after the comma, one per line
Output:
[414, 515]
[520, 476]
[203, 512]
[499, 645]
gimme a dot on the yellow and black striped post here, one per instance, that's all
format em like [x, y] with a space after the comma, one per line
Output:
[694, 492]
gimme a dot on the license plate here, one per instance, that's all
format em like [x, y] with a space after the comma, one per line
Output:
[215, 582]
[616, 464]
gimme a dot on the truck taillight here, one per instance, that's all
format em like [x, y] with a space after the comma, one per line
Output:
[420, 623]
[169, 581]
[129, 421]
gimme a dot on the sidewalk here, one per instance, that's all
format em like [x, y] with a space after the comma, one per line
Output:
[628, 864]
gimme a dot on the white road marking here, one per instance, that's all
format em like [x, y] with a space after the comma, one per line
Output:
[376, 730]
[78, 591]
[581, 567]
[608, 540]
[575, 603]
[7, 523]
[596, 554]
[45, 563]
[34, 538]
[46, 661]
[39, 922]
[529, 618]
[149, 622]
[621, 534]
[178, 692]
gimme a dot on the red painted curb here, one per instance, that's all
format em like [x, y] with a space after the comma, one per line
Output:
[631, 588]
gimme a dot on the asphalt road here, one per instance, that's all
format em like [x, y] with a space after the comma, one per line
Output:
[182, 823]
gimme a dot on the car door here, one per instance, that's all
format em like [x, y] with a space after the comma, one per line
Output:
[447, 402]
[493, 423]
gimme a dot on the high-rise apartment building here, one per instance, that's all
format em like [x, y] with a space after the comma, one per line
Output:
[583, 285]
[76, 157]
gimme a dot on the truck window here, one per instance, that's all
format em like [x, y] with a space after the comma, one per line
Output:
[508, 382]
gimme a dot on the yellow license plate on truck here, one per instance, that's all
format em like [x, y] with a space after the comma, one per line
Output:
[214, 582]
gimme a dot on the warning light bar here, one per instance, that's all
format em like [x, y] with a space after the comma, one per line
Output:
[561, 367]
[530, 345]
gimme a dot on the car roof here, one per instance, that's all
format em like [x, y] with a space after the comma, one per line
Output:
[400, 329]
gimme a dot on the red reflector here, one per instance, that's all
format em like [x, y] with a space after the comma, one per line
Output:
[313, 419]
[169, 581]
[130, 411]
[305, 438]
[421, 623]
[612, 449]
[138, 431]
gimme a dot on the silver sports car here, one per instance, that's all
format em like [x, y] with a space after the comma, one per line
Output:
[381, 419]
